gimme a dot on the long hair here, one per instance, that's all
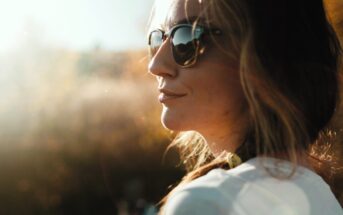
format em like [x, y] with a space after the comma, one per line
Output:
[289, 57]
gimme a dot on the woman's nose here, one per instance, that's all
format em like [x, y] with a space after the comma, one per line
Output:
[162, 63]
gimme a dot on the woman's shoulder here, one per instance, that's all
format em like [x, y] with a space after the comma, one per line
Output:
[256, 172]
[249, 188]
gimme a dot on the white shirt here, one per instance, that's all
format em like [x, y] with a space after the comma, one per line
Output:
[248, 189]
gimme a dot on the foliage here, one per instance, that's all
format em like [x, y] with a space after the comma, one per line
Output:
[80, 133]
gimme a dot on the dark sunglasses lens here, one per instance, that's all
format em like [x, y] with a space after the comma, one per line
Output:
[155, 41]
[184, 45]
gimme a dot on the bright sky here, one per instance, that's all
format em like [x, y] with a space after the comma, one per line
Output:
[77, 24]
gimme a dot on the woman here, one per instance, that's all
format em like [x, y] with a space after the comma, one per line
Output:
[249, 85]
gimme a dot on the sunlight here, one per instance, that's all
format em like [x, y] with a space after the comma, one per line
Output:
[160, 9]
[10, 23]
[76, 24]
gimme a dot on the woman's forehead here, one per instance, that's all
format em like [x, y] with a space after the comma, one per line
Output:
[170, 12]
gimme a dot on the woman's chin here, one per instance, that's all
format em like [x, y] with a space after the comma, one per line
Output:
[173, 123]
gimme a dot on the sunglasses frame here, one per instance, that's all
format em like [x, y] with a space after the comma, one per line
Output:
[169, 34]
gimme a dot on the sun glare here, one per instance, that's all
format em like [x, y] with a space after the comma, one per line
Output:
[160, 10]
[75, 24]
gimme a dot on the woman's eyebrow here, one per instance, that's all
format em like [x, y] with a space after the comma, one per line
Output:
[191, 19]
[186, 20]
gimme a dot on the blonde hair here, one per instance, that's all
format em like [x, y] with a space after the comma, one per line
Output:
[290, 83]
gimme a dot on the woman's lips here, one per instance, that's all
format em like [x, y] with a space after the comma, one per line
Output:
[166, 95]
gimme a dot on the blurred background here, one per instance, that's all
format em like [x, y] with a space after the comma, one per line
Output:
[79, 118]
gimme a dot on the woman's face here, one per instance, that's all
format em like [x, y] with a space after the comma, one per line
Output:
[213, 99]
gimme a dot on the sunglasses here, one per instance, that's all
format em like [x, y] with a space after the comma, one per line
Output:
[186, 40]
